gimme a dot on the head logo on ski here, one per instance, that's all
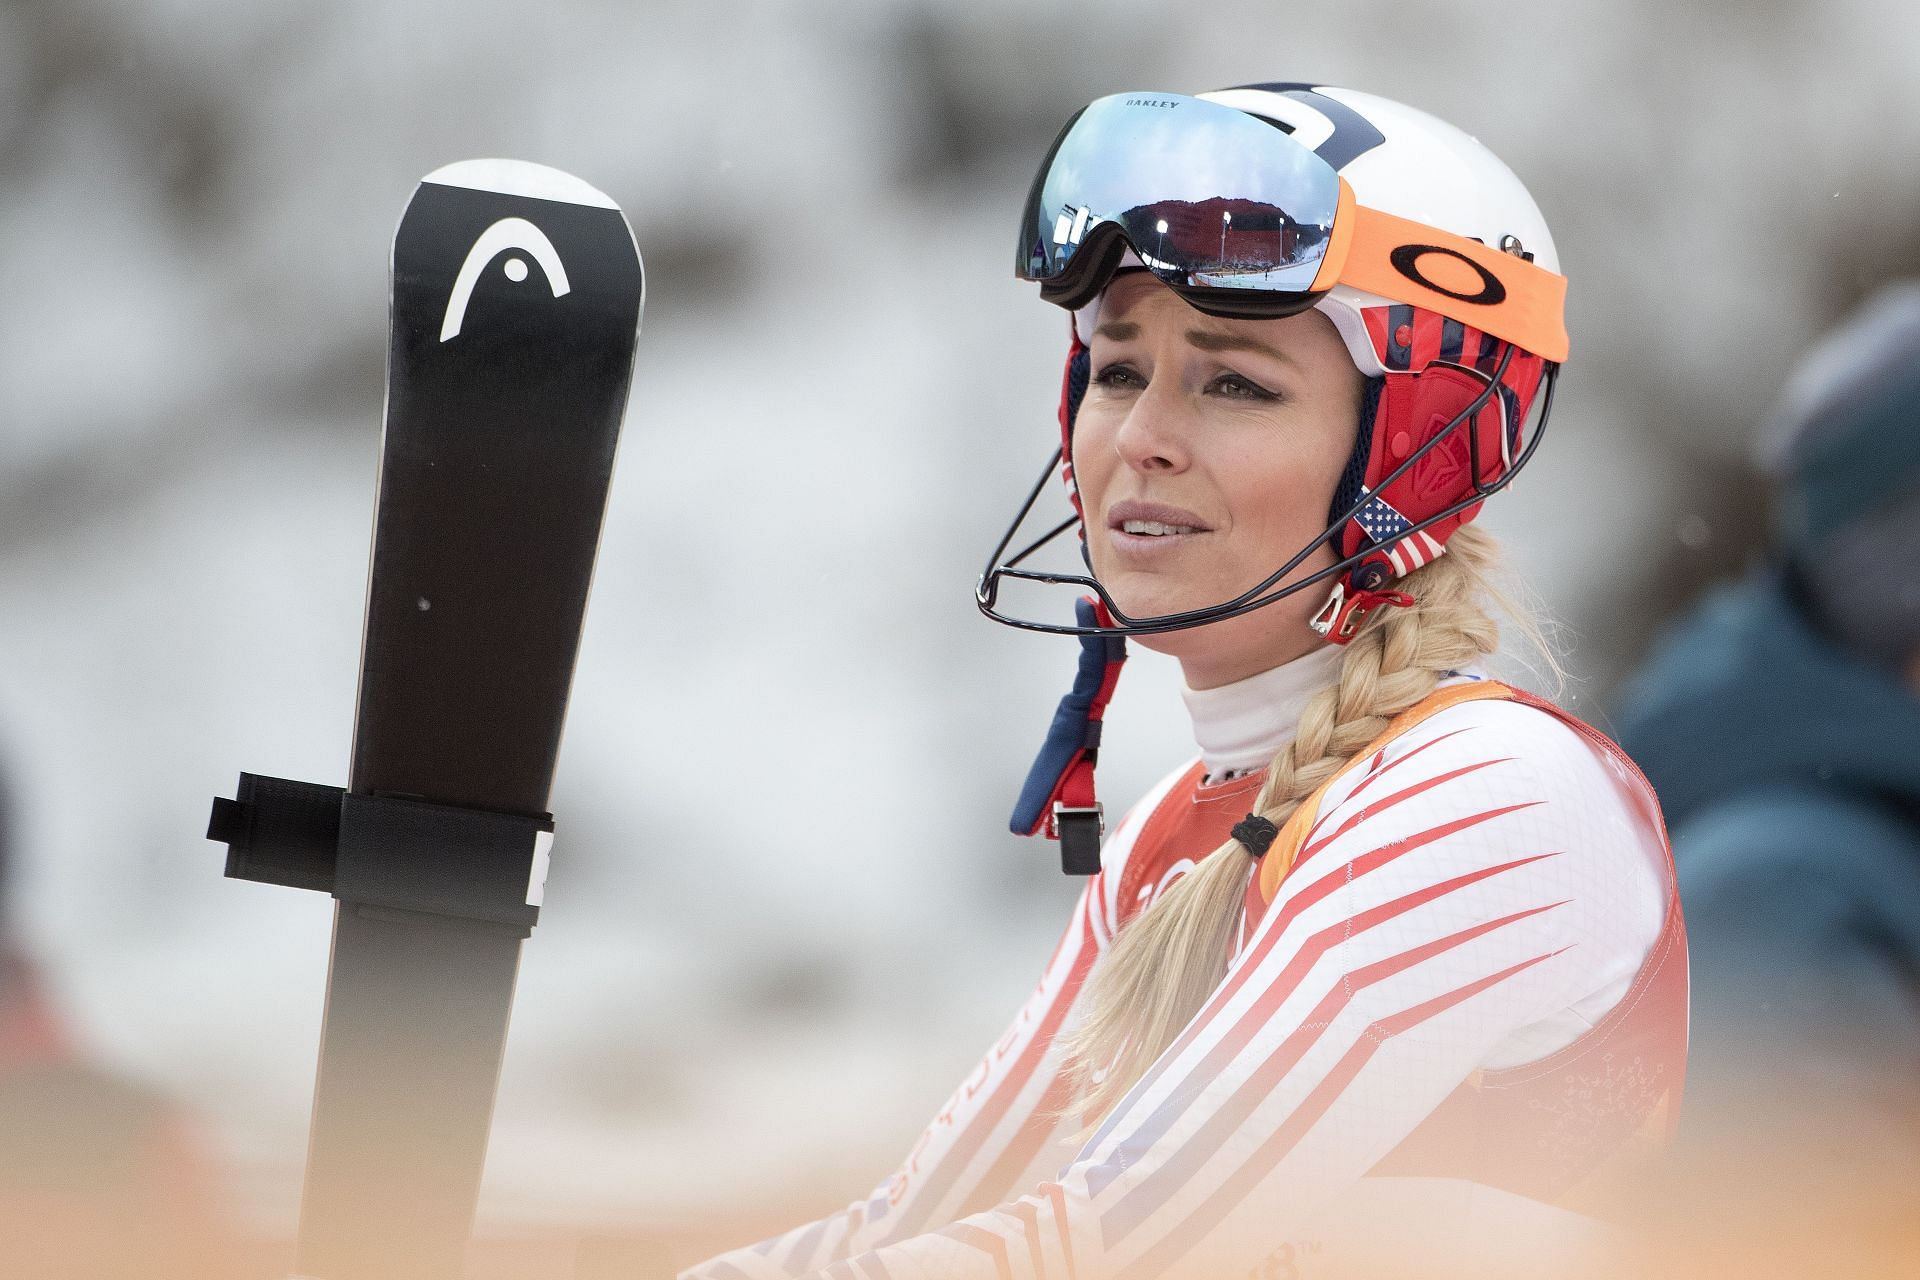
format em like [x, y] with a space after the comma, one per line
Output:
[508, 233]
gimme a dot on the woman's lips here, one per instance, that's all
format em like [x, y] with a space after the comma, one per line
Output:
[1142, 530]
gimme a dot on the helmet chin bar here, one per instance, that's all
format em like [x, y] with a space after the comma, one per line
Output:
[1265, 592]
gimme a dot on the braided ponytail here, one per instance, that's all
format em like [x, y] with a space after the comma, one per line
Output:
[1165, 963]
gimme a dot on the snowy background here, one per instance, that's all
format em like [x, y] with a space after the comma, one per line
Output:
[784, 913]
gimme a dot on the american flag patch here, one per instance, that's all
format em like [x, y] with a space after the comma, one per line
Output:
[1381, 522]
[1410, 553]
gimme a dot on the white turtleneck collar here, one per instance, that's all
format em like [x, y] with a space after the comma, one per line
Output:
[1241, 726]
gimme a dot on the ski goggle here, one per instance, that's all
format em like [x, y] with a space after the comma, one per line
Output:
[1240, 220]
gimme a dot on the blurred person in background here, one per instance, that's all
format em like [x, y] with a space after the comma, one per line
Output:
[1399, 956]
[99, 1176]
[1780, 723]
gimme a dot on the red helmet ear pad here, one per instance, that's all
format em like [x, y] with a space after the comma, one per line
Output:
[1413, 409]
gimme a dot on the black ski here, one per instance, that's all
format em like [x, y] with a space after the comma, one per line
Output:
[516, 301]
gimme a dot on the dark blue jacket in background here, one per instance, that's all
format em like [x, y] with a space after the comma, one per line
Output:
[1790, 778]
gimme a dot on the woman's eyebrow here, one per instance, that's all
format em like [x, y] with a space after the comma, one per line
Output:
[1205, 339]
[1213, 340]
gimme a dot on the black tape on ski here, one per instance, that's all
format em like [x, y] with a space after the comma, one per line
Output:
[412, 856]
[279, 832]
[384, 851]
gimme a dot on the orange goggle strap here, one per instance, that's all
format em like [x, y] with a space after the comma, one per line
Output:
[1494, 291]
[1339, 242]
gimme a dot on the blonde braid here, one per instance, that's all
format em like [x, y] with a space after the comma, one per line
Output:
[1164, 964]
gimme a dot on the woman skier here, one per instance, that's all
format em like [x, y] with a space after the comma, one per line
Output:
[1401, 947]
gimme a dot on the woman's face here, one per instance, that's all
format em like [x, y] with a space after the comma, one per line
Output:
[1206, 453]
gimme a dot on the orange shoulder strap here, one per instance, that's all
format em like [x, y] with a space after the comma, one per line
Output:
[1279, 859]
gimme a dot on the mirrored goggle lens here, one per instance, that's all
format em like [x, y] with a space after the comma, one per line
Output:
[1209, 197]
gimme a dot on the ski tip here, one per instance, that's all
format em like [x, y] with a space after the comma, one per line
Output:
[520, 178]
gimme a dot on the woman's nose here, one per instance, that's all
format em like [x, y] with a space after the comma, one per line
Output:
[1153, 438]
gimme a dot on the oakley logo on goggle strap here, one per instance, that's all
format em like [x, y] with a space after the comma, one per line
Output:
[508, 233]
[1406, 260]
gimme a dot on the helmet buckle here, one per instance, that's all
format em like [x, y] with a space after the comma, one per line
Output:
[1342, 615]
[1335, 621]
[1079, 828]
